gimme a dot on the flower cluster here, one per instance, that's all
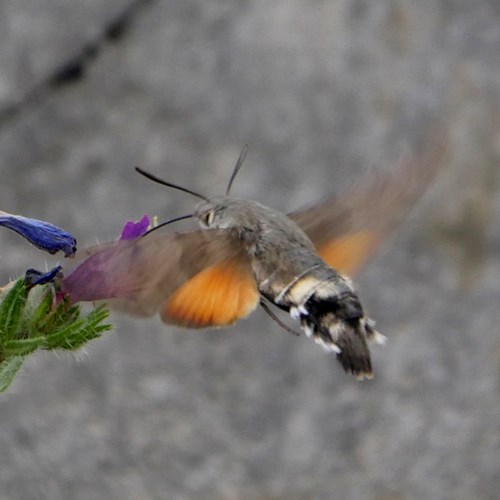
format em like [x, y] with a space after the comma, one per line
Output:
[34, 314]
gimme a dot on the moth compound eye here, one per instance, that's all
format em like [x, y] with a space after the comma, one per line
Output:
[208, 218]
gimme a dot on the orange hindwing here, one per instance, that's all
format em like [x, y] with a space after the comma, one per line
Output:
[348, 253]
[217, 296]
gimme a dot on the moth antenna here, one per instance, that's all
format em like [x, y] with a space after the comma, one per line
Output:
[273, 316]
[169, 184]
[237, 167]
[171, 221]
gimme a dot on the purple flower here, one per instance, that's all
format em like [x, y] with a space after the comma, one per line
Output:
[43, 235]
[132, 230]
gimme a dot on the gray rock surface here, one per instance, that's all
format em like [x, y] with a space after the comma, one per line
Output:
[322, 91]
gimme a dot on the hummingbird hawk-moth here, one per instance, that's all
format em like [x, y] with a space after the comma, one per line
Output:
[246, 253]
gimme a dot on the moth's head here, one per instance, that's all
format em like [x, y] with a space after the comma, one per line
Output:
[220, 212]
[227, 213]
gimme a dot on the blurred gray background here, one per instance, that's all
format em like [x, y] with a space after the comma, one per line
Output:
[322, 91]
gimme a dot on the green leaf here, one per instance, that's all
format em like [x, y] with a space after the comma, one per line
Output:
[8, 370]
[11, 310]
[40, 313]
[72, 335]
[22, 347]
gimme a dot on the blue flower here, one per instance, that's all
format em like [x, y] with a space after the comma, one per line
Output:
[32, 277]
[133, 230]
[43, 235]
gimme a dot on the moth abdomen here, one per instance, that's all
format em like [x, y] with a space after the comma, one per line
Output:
[338, 324]
[345, 305]
[331, 314]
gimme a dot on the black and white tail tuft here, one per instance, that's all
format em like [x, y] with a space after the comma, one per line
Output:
[337, 323]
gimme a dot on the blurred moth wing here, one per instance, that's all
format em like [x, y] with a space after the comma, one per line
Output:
[195, 279]
[347, 230]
